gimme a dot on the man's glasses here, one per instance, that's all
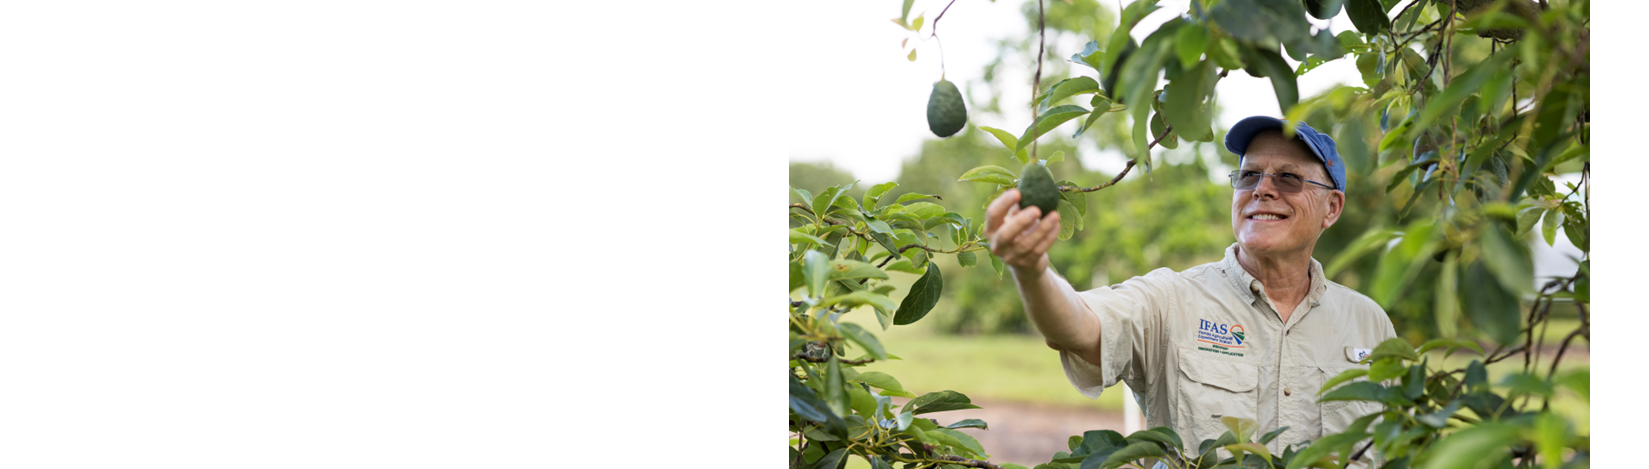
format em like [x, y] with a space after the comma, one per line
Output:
[1286, 182]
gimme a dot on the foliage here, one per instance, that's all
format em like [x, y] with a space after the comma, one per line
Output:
[1467, 142]
[835, 410]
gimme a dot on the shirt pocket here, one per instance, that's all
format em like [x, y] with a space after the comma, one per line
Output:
[1212, 388]
[1337, 415]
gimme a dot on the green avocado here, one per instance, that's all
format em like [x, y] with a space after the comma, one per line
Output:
[946, 113]
[1036, 187]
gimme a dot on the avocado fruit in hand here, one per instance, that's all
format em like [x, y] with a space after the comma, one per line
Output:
[1037, 188]
[946, 113]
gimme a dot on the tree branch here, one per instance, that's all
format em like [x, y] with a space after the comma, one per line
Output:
[940, 17]
[1125, 169]
[803, 356]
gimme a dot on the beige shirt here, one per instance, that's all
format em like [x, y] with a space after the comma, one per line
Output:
[1207, 342]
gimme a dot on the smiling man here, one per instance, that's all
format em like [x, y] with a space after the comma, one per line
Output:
[1254, 335]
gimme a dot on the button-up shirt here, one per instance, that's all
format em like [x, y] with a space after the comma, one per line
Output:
[1205, 343]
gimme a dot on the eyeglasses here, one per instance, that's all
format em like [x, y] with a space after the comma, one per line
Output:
[1286, 182]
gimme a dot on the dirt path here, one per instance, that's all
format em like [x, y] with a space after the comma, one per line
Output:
[1029, 434]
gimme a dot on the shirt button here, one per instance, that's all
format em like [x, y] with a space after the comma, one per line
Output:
[1287, 392]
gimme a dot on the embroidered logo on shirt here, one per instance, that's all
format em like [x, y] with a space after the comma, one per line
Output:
[1360, 354]
[1221, 337]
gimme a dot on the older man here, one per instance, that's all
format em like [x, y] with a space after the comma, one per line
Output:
[1218, 339]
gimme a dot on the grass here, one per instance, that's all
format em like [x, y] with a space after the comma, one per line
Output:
[1018, 368]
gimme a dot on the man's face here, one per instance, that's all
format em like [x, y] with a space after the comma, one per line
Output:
[1267, 220]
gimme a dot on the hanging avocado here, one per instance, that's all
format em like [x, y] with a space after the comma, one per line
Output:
[1037, 188]
[946, 113]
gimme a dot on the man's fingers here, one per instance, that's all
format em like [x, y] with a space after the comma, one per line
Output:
[1000, 208]
[1049, 235]
[1013, 227]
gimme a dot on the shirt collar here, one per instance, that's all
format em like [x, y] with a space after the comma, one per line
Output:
[1248, 286]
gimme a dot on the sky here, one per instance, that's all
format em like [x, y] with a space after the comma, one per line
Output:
[865, 104]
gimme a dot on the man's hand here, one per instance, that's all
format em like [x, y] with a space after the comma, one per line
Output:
[1020, 237]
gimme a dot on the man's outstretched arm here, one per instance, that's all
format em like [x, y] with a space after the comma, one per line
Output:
[1021, 240]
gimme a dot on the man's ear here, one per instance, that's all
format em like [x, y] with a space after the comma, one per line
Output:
[1336, 205]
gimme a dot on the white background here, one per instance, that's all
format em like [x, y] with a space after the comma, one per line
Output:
[459, 234]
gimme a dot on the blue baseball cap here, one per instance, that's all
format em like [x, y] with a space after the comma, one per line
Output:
[1320, 145]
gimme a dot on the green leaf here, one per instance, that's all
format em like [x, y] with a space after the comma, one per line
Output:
[1100, 105]
[1507, 258]
[997, 265]
[1272, 435]
[1271, 65]
[1551, 434]
[1069, 219]
[1466, 448]
[1067, 88]
[1394, 347]
[862, 337]
[1155, 436]
[991, 174]
[797, 237]
[1261, 21]
[1048, 121]
[1548, 226]
[1368, 16]
[1451, 344]
[1188, 108]
[903, 265]
[852, 269]
[807, 404]
[857, 299]
[971, 423]
[1133, 452]
[1400, 265]
[1526, 217]
[1382, 370]
[1370, 241]
[835, 388]
[1190, 42]
[916, 24]
[830, 461]
[875, 193]
[807, 197]
[1579, 381]
[923, 295]
[914, 196]
[939, 402]
[1254, 448]
[966, 259]
[1357, 391]
[883, 381]
[1446, 301]
[1091, 56]
[1344, 376]
[1524, 383]
[1007, 139]
[816, 270]
[1241, 427]
[825, 200]
[964, 440]
[1325, 445]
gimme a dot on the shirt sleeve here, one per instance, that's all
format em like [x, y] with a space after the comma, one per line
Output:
[1130, 317]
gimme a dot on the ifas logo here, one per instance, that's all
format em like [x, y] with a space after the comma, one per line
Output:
[1228, 335]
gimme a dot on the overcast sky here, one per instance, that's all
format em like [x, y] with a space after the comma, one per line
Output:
[864, 105]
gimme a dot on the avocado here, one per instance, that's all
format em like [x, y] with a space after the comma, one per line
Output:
[946, 113]
[1036, 187]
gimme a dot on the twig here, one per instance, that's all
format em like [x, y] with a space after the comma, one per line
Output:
[941, 16]
[1359, 454]
[1509, 354]
[1036, 83]
[1125, 169]
[803, 356]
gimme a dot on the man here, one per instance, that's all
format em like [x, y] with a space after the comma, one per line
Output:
[1254, 335]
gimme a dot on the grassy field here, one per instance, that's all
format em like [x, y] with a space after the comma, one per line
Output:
[995, 367]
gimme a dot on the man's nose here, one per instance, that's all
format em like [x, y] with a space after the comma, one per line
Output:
[1266, 188]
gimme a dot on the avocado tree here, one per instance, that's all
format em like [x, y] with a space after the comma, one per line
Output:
[1469, 111]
